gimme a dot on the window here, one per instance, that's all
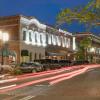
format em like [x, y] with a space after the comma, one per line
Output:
[47, 38]
[24, 35]
[24, 53]
[35, 38]
[30, 38]
[30, 56]
[40, 38]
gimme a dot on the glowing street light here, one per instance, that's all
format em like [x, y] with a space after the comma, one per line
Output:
[92, 49]
[4, 37]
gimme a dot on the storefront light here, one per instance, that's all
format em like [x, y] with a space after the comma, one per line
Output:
[92, 49]
[4, 36]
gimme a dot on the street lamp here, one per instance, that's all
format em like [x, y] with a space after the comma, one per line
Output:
[4, 37]
[92, 50]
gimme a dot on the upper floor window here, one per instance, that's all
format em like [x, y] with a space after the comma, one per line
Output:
[40, 38]
[24, 35]
[30, 37]
[35, 37]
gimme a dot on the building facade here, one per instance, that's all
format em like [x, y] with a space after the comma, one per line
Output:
[29, 40]
[93, 51]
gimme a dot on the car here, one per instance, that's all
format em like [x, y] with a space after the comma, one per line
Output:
[80, 62]
[65, 62]
[31, 67]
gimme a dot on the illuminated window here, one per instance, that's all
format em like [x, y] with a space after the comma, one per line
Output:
[33, 38]
[49, 38]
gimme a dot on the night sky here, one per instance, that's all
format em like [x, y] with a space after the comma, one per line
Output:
[44, 10]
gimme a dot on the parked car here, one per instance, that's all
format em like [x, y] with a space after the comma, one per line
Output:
[80, 62]
[47, 63]
[65, 62]
[31, 67]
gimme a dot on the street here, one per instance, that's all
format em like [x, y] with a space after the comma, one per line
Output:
[81, 83]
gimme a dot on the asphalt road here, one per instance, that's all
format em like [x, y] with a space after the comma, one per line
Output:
[82, 87]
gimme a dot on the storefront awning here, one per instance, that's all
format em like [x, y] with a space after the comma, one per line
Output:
[7, 52]
[55, 54]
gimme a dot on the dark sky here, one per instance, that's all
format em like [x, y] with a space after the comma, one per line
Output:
[44, 10]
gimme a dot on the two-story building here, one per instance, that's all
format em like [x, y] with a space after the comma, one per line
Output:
[93, 51]
[29, 40]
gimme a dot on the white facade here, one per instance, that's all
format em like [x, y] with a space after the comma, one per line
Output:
[36, 38]
[35, 41]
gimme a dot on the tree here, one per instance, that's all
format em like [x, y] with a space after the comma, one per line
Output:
[97, 3]
[84, 44]
[88, 14]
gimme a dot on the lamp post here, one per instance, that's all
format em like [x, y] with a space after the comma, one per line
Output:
[92, 50]
[4, 37]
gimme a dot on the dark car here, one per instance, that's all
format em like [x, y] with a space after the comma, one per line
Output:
[31, 67]
[65, 62]
[80, 62]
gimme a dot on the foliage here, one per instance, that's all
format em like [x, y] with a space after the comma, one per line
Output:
[88, 14]
[16, 70]
[83, 45]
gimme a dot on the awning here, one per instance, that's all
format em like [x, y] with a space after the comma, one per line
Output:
[6, 52]
[55, 54]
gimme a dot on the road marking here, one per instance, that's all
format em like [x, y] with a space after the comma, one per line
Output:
[7, 86]
[8, 80]
[27, 98]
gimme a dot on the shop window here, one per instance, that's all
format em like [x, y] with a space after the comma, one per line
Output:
[30, 56]
[24, 53]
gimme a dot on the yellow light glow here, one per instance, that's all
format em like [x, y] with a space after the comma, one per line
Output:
[0, 34]
[5, 37]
